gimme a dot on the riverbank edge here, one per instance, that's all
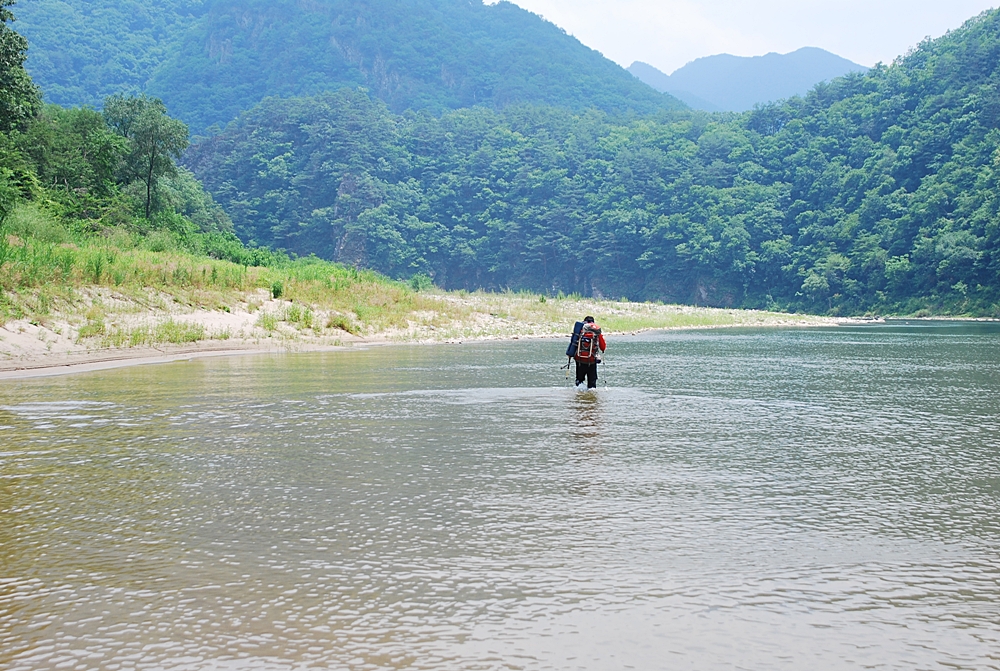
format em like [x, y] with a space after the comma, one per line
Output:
[108, 359]
[98, 327]
[112, 358]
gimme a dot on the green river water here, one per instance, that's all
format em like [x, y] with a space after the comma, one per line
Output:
[739, 499]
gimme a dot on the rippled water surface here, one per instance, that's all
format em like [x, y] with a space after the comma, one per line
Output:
[743, 499]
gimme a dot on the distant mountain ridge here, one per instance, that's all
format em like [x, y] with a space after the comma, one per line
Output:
[209, 60]
[726, 83]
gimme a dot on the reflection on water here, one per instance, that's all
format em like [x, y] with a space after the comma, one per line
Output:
[585, 421]
[747, 499]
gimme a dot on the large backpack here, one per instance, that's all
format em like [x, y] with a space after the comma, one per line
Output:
[574, 340]
[588, 344]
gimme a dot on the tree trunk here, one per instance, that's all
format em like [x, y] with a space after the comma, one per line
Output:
[149, 188]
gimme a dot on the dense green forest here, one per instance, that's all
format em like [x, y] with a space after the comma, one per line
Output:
[95, 174]
[877, 192]
[874, 193]
[76, 175]
[208, 60]
[83, 51]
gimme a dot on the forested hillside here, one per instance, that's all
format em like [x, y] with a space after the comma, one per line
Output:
[84, 193]
[875, 192]
[210, 59]
[92, 168]
[104, 240]
[83, 51]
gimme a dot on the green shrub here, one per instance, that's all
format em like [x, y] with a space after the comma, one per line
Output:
[178, 333]
[92, 329]
[29, 221]
[160, 241]
[421, 282]
[267, 321]
[301, 317]
[9, 194]
[343, 323]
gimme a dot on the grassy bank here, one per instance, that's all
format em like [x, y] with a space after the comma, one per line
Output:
[67, 292]
[46, 267]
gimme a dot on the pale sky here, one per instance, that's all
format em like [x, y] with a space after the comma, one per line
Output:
[669, 33]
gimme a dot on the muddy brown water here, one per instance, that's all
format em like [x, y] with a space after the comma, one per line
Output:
[744, 499]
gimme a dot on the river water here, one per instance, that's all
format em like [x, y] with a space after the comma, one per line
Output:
[741, 499]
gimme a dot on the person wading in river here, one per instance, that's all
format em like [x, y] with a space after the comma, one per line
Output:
[587, 346]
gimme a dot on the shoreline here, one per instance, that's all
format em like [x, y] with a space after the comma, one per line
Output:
[940, 319]
[94, 360]
[110, 358]
[97, 328]
[103, 329]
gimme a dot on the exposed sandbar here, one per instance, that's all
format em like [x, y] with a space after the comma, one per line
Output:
[103, 329]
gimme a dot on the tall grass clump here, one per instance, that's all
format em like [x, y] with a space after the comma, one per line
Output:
[166, 332]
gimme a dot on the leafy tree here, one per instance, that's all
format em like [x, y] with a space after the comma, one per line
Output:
[155, 141]
[79, 170]
[19, 97]
[73, 150]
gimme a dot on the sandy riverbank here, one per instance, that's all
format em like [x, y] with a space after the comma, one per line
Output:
[103, 329]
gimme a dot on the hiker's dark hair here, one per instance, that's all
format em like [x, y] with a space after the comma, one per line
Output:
[588, 320]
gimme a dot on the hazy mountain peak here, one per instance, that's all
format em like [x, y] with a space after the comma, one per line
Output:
[736, 83]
